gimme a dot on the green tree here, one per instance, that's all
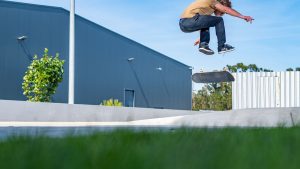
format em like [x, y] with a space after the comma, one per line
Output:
[42, 77]
[201, 99]
[241, 67]
[253, 68]
[215, 96]
[298, 69]
[218, 96]
[290, 69]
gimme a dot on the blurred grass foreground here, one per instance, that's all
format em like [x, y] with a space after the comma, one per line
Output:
[230, 148]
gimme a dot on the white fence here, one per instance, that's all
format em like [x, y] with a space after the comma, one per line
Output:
[266, 90]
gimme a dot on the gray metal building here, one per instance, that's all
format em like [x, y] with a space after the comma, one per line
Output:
[108, 65]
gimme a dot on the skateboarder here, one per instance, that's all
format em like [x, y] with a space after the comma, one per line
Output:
[198, 17]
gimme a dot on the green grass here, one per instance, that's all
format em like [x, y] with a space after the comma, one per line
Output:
[179, 149]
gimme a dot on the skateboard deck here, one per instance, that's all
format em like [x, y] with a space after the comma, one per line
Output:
[213, 77]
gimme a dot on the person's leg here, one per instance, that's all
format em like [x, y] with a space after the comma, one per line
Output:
[204, 35]
[220, 32]
[218, 23]
[205, 21]
[199, 22]
[204, 41]
[187, 25]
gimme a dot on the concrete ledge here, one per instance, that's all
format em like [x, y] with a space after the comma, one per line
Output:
[52, 112]
[24, 118]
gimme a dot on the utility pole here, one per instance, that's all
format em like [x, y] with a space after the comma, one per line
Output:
[72, 53]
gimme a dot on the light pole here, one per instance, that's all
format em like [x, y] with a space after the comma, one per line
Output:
[72, 53]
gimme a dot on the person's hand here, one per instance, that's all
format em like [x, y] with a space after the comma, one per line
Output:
[248, 19]
[197, 42]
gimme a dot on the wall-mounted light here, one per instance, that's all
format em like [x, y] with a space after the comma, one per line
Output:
[191, 68]
[21, 38]
[130, 59]
[159, 68]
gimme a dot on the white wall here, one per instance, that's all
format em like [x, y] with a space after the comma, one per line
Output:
[266, 90]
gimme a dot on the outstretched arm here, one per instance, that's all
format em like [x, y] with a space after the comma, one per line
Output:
[232, 12]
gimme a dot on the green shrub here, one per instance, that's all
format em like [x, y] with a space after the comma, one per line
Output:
[42, 77]
[112, 102]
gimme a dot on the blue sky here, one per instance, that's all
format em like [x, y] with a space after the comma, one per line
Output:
[272, 41]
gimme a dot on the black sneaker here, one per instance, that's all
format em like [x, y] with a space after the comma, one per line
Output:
[204, 48]
[226, 48]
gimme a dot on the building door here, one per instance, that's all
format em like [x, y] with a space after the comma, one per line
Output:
[129, 98]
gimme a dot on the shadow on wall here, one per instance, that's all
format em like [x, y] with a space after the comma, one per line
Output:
[24, 46]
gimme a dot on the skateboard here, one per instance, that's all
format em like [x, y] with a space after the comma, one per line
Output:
[213, 77]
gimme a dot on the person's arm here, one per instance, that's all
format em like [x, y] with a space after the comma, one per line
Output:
[232, 12]
[218, 13]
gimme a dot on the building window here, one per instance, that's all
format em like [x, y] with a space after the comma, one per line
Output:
[129, 98]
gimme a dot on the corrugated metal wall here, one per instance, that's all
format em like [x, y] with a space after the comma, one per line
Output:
[266, 90]
[103, 70]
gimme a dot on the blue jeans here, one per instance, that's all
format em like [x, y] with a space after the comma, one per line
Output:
[202, 23]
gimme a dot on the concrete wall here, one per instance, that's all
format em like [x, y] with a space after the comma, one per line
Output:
[48, 112]
[102, 67]
[18, 114]
[59, 120]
